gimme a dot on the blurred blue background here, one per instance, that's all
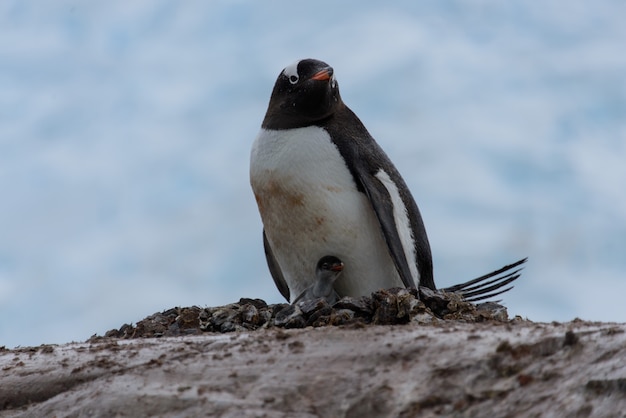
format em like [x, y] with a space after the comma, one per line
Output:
[125, 131]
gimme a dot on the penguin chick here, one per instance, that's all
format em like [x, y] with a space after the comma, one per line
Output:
[327, 271]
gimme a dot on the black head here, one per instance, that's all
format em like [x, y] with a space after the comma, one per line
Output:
[305, 93]
[330, 263]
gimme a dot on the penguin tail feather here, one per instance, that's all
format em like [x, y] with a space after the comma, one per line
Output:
[489, 285]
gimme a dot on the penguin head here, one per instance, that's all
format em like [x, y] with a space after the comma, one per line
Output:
[329, 266]
[305, 93]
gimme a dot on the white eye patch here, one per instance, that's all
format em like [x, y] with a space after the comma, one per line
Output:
[291, 72]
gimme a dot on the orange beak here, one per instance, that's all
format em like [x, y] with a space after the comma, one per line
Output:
[323, 75]
[337, 267]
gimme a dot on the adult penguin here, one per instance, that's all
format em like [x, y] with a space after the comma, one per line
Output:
[324, 186]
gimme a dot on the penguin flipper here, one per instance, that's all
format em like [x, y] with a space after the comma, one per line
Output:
[382, 204]
[275, 270]
[481, 288]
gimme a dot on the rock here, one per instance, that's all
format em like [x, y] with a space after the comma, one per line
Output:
[290, 317]
[436, 301]
[385, 304]
[362, 307]
[341, 317]
[309, 307]
[384, 307]
[491, 311]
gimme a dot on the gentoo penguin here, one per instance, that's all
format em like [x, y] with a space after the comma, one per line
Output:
[327, 271]
[324, 186]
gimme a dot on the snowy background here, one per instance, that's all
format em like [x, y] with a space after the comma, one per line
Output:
[125, 131]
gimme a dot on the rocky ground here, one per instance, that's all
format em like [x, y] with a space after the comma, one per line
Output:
[384, 307]
[391, 354]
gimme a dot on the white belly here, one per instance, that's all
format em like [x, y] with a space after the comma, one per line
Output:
[310, 208]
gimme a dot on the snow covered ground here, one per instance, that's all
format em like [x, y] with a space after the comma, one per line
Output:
[125, 131]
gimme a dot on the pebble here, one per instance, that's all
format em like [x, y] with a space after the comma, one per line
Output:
[383, 307]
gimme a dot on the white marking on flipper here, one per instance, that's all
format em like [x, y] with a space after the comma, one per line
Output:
[401, 218]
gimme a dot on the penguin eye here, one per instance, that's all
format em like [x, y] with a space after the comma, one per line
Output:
[293, 79]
